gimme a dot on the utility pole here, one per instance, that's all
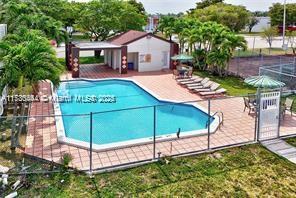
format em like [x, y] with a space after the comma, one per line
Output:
[284, 25]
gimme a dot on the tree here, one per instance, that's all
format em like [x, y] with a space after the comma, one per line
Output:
[260, 13]
[292, 40]
[139, 6]
[103, 18]
[269, 34]
[62, 10]
[252, 22]
[234, 17]
[18, 14]
[49, 26]
[166, 25]
[14, 9]
[210, 43]
[276, 12]
[206, 3]
[28, 58]
[52, 8]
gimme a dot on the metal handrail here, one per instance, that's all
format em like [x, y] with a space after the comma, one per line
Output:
[221, 120]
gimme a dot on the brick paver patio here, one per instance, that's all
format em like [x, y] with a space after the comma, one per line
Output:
[238, 127]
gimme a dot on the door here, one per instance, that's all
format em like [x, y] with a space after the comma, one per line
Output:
[165, 60]
[269, 115]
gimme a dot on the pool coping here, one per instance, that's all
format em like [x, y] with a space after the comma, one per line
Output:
[62, 138]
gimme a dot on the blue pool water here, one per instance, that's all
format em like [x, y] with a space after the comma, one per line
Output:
[123, 125]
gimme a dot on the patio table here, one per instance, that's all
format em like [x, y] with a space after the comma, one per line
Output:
[183, 69]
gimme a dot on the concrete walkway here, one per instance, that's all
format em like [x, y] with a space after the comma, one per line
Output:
[282, 148]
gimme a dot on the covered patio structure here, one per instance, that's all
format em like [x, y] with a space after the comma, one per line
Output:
[131, 50]
[115, 56]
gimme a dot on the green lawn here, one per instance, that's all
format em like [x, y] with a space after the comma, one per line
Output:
[292, 141]
[80, 37]
[249, 171]
[85, 60]
[250, 33]
[235, 86]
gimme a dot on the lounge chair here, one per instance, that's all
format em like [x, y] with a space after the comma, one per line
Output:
[249, 105]
[197, 83]
[187, 79]
[214, 86]
[202, 86]
[289, 105]
[213, 93]
[193, 81]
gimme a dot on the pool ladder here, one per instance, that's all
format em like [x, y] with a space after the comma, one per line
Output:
[220, 115]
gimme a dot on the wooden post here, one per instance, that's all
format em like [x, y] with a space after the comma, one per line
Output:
[174, 51]
[124, 60]
[75, 62]
[68, 56]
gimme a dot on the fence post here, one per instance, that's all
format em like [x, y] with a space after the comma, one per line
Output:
[280, 111]
[90, 144]
[209, 123]
[154, 132]
[257, 128]
[238, 65]
[256, 117]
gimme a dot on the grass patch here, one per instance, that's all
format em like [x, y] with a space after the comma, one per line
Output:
[249, 171]
[80, 37]
[250, 33]
[85, 60]
[291, 141]
[235, 86]
[91, 60]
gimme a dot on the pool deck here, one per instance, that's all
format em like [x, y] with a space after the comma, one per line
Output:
[238, 126]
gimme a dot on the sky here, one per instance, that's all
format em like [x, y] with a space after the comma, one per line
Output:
[176, 6]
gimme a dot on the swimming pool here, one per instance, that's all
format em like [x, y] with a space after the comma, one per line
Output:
[125, 118]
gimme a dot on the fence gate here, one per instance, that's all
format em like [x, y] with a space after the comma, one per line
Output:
[269, 115]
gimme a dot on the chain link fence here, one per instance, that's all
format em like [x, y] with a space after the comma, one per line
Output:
[287, 114]
[282, 72]
[246, 66]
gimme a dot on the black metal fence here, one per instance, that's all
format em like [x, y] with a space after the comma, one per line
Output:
[108, 140]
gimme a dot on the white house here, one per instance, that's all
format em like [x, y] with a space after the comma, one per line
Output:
[146, 51]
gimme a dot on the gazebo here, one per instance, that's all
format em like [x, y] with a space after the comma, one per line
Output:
[115, 55]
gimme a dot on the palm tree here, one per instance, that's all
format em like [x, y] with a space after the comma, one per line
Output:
[28, 58]
[166, 26]
[211, 44]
